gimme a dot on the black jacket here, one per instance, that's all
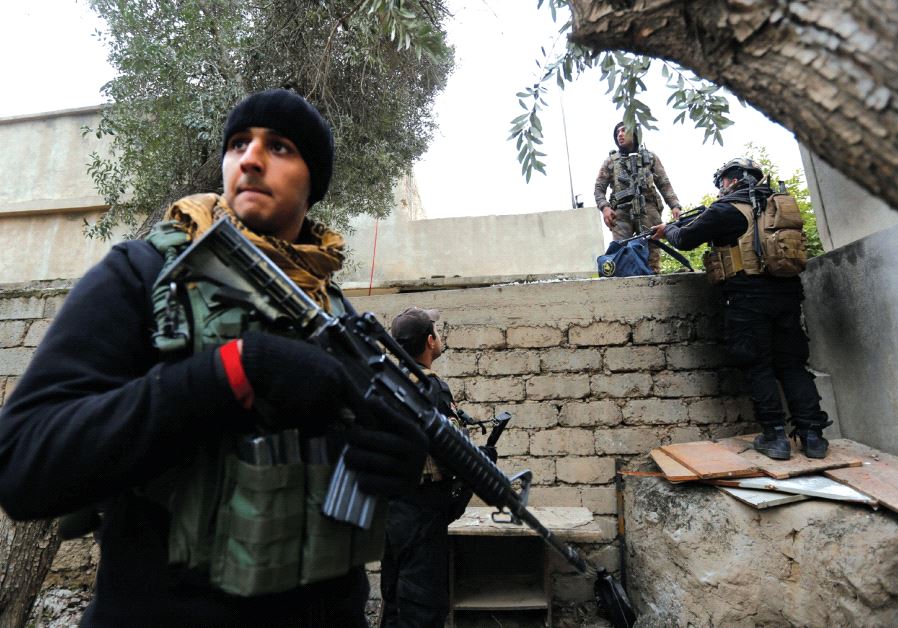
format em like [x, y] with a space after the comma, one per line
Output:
[97, 414]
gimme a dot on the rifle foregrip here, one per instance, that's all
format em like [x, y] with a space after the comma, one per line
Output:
[454, 450]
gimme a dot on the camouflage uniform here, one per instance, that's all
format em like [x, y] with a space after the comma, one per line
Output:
[623, 221]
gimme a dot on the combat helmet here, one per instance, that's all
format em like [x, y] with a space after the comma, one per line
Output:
[745, 167]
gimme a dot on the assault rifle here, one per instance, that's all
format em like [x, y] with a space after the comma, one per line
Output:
[461, 493]
[634, 195]
[225, 257]
[684, 219]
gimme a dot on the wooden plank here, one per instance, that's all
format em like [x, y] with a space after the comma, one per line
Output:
[672, 470]
[762, 499]
[878, 479]
[568, 523]
[840, 454]
[810, 485]
[710, 460]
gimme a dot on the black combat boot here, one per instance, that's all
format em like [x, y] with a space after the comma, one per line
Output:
[773, 442]
[812, 443]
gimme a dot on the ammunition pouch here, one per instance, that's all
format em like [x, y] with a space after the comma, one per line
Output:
[623, 196]
[270, 535]
[722, 262]
[782, 238]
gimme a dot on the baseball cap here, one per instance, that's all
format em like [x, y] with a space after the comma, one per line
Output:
[412, 324]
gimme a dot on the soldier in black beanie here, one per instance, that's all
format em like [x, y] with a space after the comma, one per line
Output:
[293, 117]
[193, 425]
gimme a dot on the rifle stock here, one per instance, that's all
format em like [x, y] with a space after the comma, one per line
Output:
[223, 255]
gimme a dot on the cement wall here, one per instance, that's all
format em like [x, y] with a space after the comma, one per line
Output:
[44, 204]
[845, 211]
[852, 318]
[43, 209]
[554, 242]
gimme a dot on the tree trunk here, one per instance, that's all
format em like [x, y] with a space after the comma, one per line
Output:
[827, 70]
[26, 551]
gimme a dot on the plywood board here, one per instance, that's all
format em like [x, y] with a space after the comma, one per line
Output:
[810, 485]
[840, 454]
[710, 460]
[878, 479]
[762, 499]
[673, 470]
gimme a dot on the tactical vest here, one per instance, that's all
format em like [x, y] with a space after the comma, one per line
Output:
[619, 164]
[442, 398]
[255, 527]
[780, 241]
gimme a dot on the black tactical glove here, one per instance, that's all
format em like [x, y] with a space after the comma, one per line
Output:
[296, 383]
[386, 450]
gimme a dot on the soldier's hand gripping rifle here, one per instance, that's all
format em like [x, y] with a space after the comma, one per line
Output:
[684, 219]
[646, 234]
[225, 257]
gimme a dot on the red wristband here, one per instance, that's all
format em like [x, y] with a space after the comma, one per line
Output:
[233, 366]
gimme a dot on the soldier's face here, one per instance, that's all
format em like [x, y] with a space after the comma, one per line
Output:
[727, 184]
[438, 343]
[266, 182]
[624, 138]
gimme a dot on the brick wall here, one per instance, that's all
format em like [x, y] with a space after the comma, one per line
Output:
[592, 371]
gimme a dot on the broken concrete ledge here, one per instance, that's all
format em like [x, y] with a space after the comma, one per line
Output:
[697, 557]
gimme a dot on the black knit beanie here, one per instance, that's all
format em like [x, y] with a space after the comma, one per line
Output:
[290, 115]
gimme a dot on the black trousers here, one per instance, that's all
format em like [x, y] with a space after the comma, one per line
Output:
[765, 337]
[414, 578]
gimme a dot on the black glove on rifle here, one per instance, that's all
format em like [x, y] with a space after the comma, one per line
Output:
[306, 387]
[386, 449]
[296, 383]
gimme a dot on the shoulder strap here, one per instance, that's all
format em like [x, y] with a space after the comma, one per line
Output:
[172, 327]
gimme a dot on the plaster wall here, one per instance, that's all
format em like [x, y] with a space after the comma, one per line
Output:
[549, 242]
[47, 196]
[845, 211]
[851, 311]
[48, 154]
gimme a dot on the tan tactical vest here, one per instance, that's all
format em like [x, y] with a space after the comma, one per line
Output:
[256, 528]
[782, 243]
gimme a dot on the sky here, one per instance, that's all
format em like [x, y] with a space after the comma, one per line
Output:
[52, 62]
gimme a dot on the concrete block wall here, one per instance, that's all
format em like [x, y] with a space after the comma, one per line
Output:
[25, 313]
[593, 371]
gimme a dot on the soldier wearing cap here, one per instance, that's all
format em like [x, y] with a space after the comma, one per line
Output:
[625, 165]
[762, 312]
[414, 570]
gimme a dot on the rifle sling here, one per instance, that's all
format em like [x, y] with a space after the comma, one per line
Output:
[672, 252]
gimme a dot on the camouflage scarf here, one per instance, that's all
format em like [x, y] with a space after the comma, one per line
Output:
[310, 264]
